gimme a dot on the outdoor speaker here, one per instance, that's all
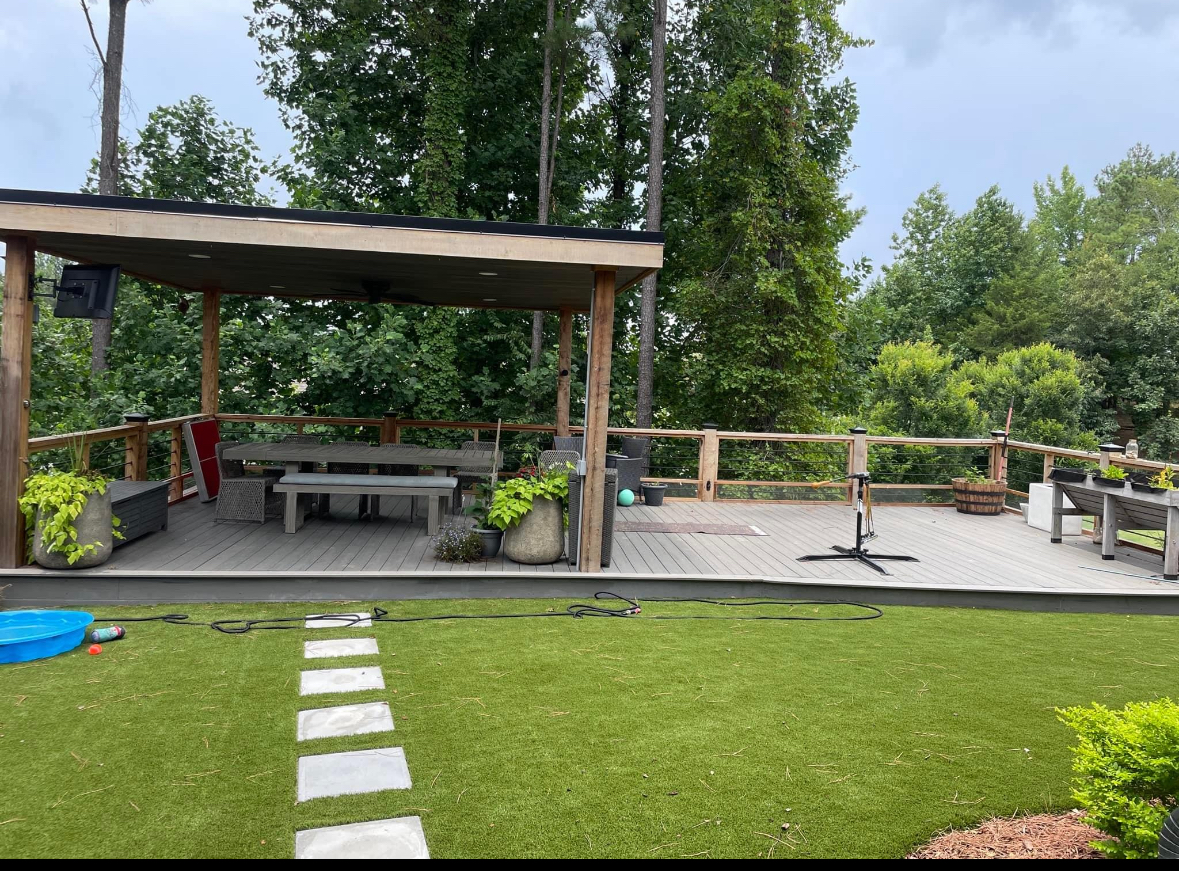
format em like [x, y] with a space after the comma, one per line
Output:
[87, 292]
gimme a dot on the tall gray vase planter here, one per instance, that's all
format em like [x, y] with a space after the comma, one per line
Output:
[539, 538]
[93, 525]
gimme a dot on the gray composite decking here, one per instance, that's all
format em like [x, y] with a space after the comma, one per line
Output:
[954, 549]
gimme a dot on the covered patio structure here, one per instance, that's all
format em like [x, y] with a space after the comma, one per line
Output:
[215, 249]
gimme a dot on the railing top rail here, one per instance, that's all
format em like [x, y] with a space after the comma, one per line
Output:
[172, 422]
[934, 442]
[1090, 456]
[90, 436]
[735, 435]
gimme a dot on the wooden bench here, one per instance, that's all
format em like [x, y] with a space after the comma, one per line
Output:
[436, 488]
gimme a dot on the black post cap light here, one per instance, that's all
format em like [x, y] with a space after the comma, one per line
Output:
[710, 426]
[136, 417]
[998, 433]
[858, 430]
[1111, 448]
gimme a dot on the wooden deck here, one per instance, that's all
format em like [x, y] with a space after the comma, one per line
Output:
[955, 550]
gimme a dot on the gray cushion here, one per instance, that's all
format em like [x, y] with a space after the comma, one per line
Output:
[317, 479]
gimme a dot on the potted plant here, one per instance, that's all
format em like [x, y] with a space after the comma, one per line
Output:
[653, 494]
[530, 509]
[975, 493]
[1113, 477]
[480, 507]
[458, 544]
[68, 516]
[1068, 475]
[1160, 483]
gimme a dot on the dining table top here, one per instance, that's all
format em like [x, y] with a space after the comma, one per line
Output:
[337, 452]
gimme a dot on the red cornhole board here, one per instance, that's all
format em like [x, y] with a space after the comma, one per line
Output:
[201, 438]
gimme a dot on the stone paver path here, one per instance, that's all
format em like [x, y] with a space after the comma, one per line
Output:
[339, 647]
[351, 772]
[398, 838]
[344, 720]
[340, 680]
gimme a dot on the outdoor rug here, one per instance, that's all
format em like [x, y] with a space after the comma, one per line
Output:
[702, 528]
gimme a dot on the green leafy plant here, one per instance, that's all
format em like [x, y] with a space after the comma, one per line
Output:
[480, 507]
[458, 544]
[513, 498]
[1114, 473]
[1165, 479]
[53, 500]
[1126, 768]
[976, 477]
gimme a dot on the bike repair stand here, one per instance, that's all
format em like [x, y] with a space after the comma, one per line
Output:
[859, 553]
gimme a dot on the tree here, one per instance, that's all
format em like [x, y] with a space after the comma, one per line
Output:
[647, 313]
[914, 392]
[761, 311]
[108, 161]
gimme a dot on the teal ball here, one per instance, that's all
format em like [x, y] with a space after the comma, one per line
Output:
[626, 497]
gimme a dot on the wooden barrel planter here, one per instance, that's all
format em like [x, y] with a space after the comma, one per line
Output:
[982, 498]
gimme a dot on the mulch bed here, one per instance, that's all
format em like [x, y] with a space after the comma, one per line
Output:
[1043, 836]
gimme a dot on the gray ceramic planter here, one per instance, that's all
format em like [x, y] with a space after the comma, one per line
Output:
[539, 538]
[491, 541]
[93, 525]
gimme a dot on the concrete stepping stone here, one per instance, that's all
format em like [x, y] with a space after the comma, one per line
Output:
[340, 621]
[352, 772]
[344, 720]
[398, 838]
[339, 647]
[340, 680]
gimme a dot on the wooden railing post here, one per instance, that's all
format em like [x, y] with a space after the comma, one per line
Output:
[390, 429]
[995, 471]
[176, 464]
[709, 463]
[1049, 462]
[135, 463]
[858, 455]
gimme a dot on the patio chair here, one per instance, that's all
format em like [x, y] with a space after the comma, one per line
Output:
[637, 447]
[610, 500]
[630, 473]
[557, 459]
[468, 477]
[568, 443]
[244, 497]
[347, 469]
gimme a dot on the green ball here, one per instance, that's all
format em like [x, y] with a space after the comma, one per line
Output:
[626, 497]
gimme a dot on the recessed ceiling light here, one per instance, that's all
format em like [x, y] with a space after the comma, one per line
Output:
[278, 287]
[489, 274]
[199, 256]
[489, 299]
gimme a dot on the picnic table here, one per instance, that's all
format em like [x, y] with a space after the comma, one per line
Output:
[291, 454]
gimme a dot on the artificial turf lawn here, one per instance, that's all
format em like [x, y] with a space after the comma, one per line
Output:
[562, 737]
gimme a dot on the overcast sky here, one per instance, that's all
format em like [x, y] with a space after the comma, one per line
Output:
[968, 93]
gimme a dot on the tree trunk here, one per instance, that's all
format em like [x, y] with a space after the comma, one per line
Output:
[647, 313]
[108, 157]
[542, 208]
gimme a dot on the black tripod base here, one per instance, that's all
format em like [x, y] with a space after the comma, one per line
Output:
[859, 555]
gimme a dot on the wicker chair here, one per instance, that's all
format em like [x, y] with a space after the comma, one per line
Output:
[610, 499]
[468, 477]
[568, 443]
[347, 469]
[244, 497]
[637, 447]
[630, 474]
[557, 459]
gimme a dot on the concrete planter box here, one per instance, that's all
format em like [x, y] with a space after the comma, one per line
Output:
[539, 538]
[93, 525]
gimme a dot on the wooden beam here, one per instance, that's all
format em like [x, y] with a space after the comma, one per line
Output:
[564, 359]
[597, 416]
[211, 352]
[16, 352]
[709, 464]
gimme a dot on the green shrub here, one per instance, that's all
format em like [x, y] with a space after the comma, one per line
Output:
[1127, 772]
[1114, 473]
[513, 497]
[456, 544]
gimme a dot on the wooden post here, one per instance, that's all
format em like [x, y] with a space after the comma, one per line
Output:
[1171, 547]
[1057, 534]
[1103, 462]
[16, 354]
[857, 457]
[211, 352]
[995, 470]
[135, 464]
[1109, 528]
[390, 429]
[176, 464]
[709, 464]
[597, 418]
[564, 359]
[1049, 462]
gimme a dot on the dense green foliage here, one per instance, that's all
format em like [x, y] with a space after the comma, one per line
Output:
[52, 501]
[1127, 772]
[513, 497]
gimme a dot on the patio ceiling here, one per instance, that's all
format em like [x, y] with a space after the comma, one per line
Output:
[332, 255]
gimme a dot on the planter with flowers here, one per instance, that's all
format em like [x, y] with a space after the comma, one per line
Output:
[530, 509]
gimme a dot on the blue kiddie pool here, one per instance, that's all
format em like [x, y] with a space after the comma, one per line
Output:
[26, 635]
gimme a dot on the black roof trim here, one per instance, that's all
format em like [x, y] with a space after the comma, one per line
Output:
[362, 219]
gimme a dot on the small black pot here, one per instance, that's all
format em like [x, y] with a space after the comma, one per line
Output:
[1068, 476]
[492, 538]
[653, 494]
[1145, 488]
[1111, 483]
